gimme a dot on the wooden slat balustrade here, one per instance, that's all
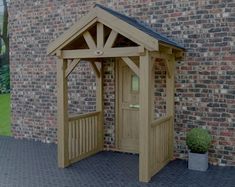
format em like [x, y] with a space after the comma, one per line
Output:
[160, 140]
[85, 136]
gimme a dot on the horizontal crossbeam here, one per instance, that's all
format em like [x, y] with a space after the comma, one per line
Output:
[110, 52]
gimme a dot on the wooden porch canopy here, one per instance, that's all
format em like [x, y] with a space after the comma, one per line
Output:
[105, 33]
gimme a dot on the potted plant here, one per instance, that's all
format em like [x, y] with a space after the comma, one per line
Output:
[198, 141]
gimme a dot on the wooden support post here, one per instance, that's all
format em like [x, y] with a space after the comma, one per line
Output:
[145, 117]
[170, 106]
[99, 106]
[153, 89]
[62, 114]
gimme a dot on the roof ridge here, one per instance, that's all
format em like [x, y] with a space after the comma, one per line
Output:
[141, 25]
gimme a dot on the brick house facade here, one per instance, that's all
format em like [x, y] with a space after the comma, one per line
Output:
[205, 80]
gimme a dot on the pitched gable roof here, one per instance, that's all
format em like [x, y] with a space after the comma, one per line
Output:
[143, 27]
[127, 26]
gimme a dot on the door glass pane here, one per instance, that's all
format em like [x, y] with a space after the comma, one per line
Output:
[134, 83]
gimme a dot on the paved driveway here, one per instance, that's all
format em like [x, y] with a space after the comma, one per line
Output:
[26, 163]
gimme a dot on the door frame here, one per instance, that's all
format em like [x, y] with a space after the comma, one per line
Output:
[117, 109]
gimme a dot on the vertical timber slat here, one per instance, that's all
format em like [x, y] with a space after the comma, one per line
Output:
[77, 138]
[70, 141]
[80, 138]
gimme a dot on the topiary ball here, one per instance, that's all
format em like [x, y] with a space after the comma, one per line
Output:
[198, 140]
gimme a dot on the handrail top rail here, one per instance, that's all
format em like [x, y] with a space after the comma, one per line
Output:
[160, 121]
[78, 116]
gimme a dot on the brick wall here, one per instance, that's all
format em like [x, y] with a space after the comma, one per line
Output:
[205, 91]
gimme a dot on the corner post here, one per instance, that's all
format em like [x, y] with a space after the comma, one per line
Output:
[145, 117]
[62, 114]
[99, 106]
[170, 104]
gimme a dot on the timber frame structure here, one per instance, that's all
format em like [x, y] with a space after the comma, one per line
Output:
[104, 33]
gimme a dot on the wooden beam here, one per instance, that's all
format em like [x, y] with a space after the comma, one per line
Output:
[62, 114]
[59, 54]
[160, 55]
[165, 57]
[131, 65]
[100, 107]
[100, 35]
[111, 39]
[169, 70]
[73, 117]
[145, 117]
[165, 49]
[127, 30]
[89, 40]
[170, 102]
[110, 52]
[71, 66]
[153, 88]
[95, 68]
[171, 46]
[78, 28]
[179, 55]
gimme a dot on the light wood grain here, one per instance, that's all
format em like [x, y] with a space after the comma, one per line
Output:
[83, 136]
[131, 65]
[89, 40]
[145, 117]
[62, 114]
[105, 53]
[71, 67]
[111, 39]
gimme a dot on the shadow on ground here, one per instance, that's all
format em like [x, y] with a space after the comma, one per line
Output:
[33, 164]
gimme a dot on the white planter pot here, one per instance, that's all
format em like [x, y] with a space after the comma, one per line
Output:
[198, 161]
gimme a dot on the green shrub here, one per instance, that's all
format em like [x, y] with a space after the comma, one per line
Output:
[198, 140]
[4, 79]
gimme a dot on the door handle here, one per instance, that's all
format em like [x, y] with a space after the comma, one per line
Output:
[134, 106]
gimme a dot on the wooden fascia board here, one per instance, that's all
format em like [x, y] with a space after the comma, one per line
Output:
[170, 46]
[77, 29]
[127, 30]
